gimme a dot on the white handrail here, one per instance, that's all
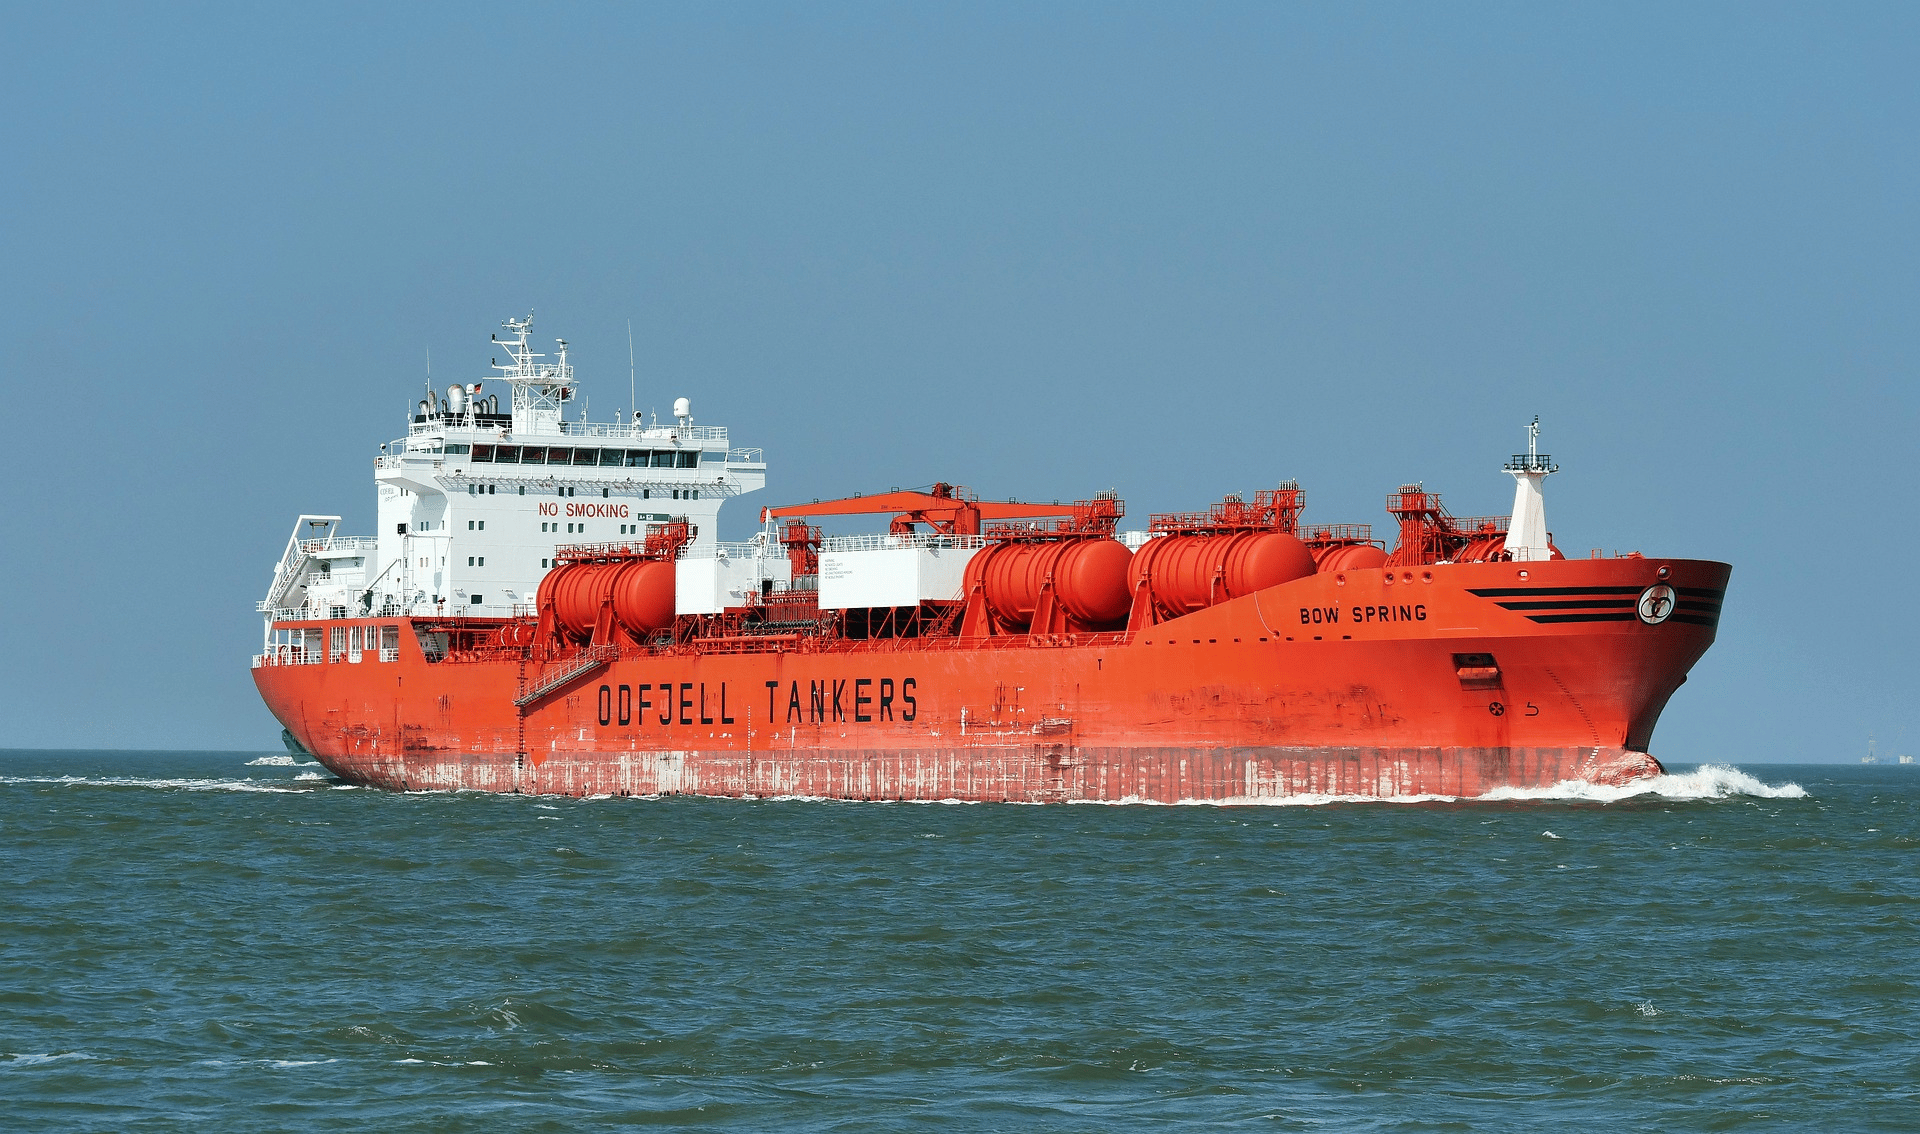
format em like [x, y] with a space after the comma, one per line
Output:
[883, 542]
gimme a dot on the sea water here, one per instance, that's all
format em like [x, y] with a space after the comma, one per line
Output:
[213, 942]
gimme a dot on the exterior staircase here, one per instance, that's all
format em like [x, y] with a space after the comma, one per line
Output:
[568, 671]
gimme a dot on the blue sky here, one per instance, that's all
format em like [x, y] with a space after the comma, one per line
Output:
[1036, 249]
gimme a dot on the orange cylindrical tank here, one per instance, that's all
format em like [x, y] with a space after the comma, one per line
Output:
[1004, 572]
[578, 590]
[1189, 572]
[544, 596]
[1089, 580]
[643, 596]
[550, 583]
[1351, 557]
[1483, 549]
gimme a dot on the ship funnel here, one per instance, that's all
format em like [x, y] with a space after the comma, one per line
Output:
[1527, 531]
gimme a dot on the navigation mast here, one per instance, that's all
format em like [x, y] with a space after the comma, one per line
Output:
[539, 388]
[1527, 531]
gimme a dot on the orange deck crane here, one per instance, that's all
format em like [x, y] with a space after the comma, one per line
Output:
[945, 509]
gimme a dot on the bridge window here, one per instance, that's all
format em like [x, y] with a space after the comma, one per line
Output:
[506, 454]
[663, 460]
[586, 456]
[614, 457]
[483, 454]
[688, 460]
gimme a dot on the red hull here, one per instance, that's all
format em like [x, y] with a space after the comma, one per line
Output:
[1336, 684]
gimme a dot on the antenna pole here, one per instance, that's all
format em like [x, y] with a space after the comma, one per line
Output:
[633, 399]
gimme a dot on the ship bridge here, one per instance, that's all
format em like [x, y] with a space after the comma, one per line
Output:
[488, 482]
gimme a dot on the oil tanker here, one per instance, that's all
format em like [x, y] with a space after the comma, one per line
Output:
[546, 608]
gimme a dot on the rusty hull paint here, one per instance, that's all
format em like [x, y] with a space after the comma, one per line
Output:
[1036, 776]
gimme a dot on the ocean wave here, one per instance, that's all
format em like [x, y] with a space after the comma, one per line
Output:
[166, 784]
[15, 1059]
[282, 762]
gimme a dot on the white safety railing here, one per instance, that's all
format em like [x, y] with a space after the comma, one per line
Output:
[644, 432]
[338, 543]
[459, 609]
[455, 609]
[743, 550]
[883, 542]
[611, 430]
[288, 655]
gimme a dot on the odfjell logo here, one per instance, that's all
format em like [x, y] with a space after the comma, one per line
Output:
[1656, 603]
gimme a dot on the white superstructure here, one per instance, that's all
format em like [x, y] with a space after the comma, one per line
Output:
[477, 496]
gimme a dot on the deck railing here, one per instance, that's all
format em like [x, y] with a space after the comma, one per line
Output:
[339, 543]
[885, 542]
[611, 430]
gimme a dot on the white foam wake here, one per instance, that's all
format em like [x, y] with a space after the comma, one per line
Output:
[169, 784]
[1708, 781]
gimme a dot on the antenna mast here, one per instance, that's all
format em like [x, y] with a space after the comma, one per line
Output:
[633, 399]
